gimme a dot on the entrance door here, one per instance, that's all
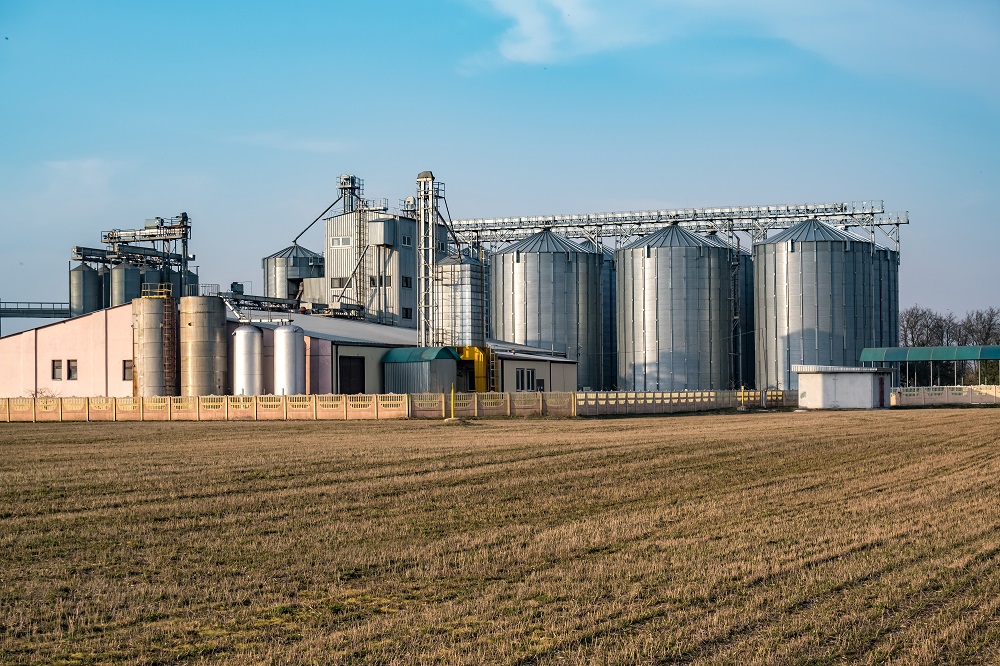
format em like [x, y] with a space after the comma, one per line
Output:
[881, 391]
[352, 374]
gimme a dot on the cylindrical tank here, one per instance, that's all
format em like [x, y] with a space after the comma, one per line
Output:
[886, 297]
[289, 360]
[84, 290]
[154, 349]
[294, 263]
[203, 348]
[248, 361]
[743, 368]
[813, 303]
[609, 330]
[458, 293]
[104, 275]
[126, 283]
[674, 323]
[545, 291]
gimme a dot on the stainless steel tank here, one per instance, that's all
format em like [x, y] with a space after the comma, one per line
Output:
[154, 349]
[814, 301]
[674, 323]
[203, 350]
[126, 283]
[289, 360]
[743, 369]
[84, 290]
[458, 293]
[545, 291]
[248, 361]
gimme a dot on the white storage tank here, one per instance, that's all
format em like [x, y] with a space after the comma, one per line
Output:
[289, 360]
[674, 313]
[248, 360]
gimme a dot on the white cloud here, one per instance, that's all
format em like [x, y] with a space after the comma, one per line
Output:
[954, 44]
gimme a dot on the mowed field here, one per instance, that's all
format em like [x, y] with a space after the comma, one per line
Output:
[860, 537]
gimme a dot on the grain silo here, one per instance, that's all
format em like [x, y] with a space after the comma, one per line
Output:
[84, 290]
[674, 322]
[154, 346]
[609, 330]
[546, 292]
[459, 295]
[285, 270]
[126, 283]
[204, 348]
[814, 301]
[743, 346]
[886, 297]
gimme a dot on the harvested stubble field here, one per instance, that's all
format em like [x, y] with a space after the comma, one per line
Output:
[760, 538]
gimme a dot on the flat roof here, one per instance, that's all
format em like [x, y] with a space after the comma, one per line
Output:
[952, 353]
[833, 369]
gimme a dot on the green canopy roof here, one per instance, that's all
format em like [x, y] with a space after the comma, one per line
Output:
[419, 354]
[899, 354]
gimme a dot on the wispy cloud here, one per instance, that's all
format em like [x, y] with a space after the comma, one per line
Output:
[286, 142]
[955, 44]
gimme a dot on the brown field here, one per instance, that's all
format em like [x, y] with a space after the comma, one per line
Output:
[762, 538]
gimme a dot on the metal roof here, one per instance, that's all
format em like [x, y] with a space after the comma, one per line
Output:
[672, 236]
[905, 354]
[295, 250]
[823, 369]
[546, 241]
[715, 239]
[812, 231]
[420, 354]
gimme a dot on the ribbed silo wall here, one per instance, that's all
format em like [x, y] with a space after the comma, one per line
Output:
[84, 290]
[276, 277]
[458, 293]
[204, 349]
[745, 348]
[550, 300]
[886, 289]
[609, 329]
[674, 318]
[813, 306]
[126, 283]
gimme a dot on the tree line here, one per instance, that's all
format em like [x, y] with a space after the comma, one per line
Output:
[923, 327]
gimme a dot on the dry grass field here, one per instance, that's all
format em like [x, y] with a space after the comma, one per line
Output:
[710, 539]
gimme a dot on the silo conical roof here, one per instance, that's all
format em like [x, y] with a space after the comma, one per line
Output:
[546, 242]
[672, 236]
[294, 251]
[812, 231]
[717, 240]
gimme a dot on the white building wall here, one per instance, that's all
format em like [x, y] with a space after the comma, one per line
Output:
[843, 390]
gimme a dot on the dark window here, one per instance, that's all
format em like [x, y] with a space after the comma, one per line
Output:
[529, 379]
[519, 379]
[339, 283]
[407, 313]
[407, 282]
[352, 374]
[56, 369]
[71, 369]
[407, 240]
[371, 281]
[127, 370]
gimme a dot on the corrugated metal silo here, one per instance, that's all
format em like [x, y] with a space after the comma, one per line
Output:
[886, 297]
[674, 322]
[545, 291]
[814, 301]
[289, 360]
[743, 347]
[284, 270]
[248, 361]
[126, 283]
[153, 275]
[84, 290]
[204, 353]
[458, 293]
[609, 329]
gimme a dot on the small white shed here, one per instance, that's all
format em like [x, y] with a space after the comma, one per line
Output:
[834, 387]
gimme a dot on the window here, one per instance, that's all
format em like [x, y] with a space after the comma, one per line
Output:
[339, 283]
[407, 282]
[407, 313]
[71, 373]
[442, 247]
[127, 370]
[519, 379]
[524, 379]
[340, 241]
[57, 370]
[407, 241]
[381, 281]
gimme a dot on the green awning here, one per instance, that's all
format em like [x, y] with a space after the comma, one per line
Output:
[419, 354]
[909, 354]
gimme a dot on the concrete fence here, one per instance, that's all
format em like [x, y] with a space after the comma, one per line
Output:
[920, 396]
[368, 407]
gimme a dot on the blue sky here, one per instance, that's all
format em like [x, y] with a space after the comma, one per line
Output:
[244, 113]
